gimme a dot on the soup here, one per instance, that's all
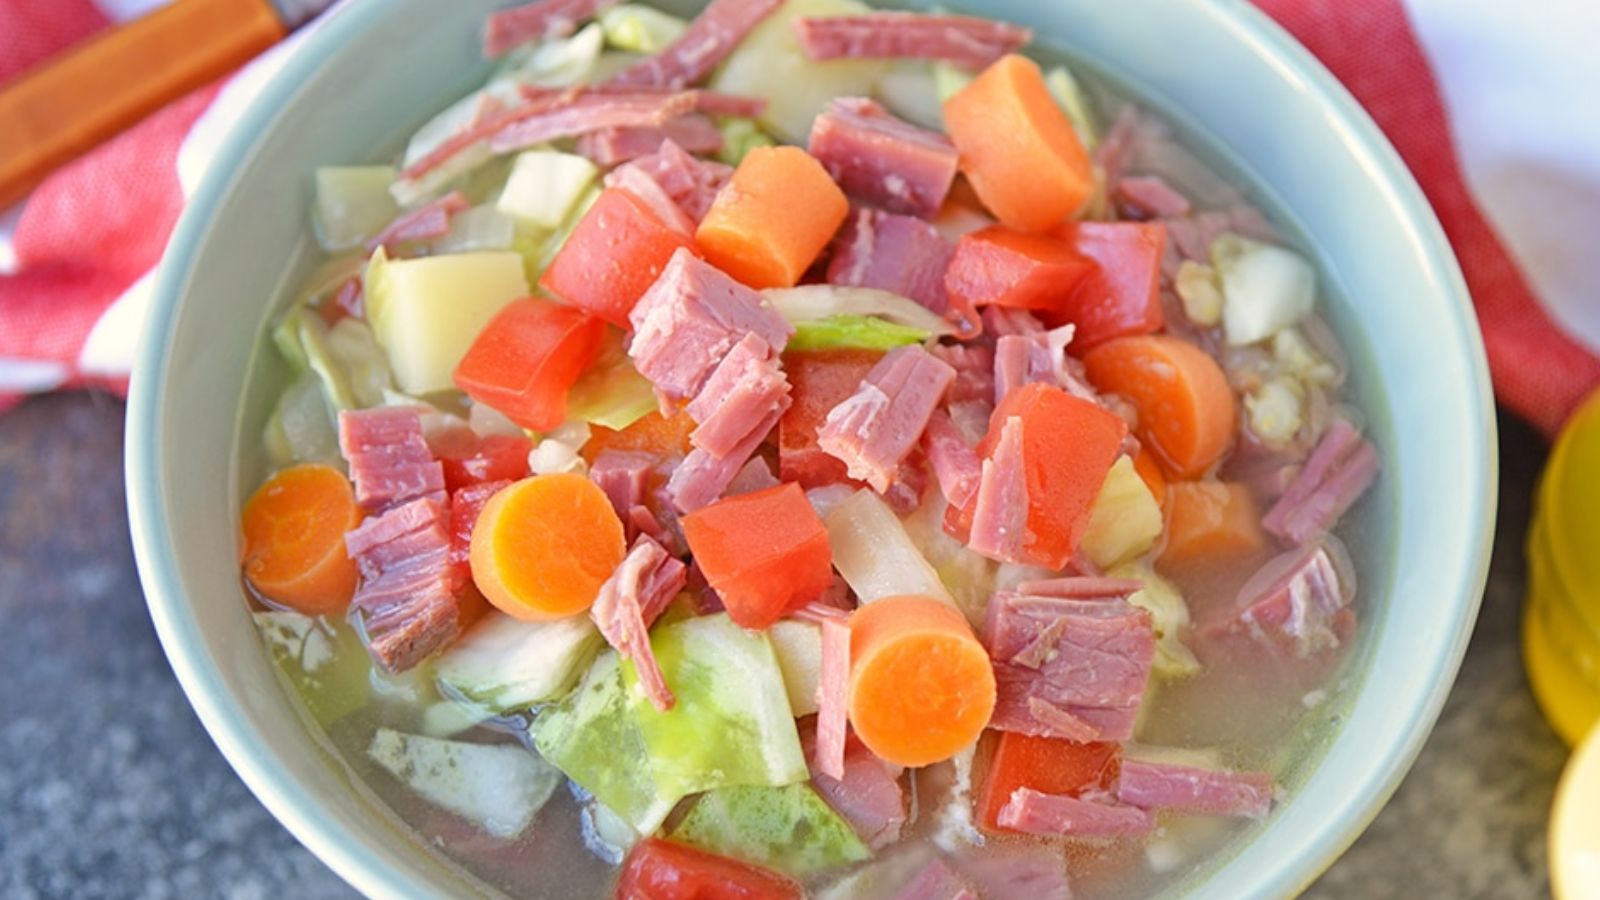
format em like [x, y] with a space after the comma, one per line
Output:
[806, 451]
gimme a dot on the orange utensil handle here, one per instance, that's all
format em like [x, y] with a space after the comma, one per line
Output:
[57, 112]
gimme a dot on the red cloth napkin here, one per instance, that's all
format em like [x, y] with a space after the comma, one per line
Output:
[70, 298]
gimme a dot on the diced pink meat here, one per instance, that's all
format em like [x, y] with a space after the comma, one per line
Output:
[868, 796]
[695, 133]
[1215, 792]
[936, 881]
[430, 220]
[745, 388]
[588, 112]
[624, 475]
[708, 41]
[1151, 197]
[974, 365]
[955, 462]
[1078, 587]
[701, 478]
[1015, 870]
[1298, 603]
[1335, 476]
[637, 182]
[964, 40]
[1000, 509]
[388, 456]
[1193, 235]
[753, 476]
[1089, 659]
[636, 593]
[692, 183]
[883, 160]
[833, 697]
[1115, 152]
[902, 255]
[405, 603]
[971, 418]
[874, 429]
[546, 19]
[690, 318]
[1039, 356]
[1057, 815]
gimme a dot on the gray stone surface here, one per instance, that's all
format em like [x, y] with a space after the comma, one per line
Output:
[110, 788]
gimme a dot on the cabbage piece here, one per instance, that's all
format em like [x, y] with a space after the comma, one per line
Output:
[1072, 100]
[498, 787]
[508, 664]
[769, 63]
[345, 358]
[1125, 520]
[301, 426]
[788, 828]
[557, 452]
[911, 92]
[426, 312]
[731, 724]
[970, 579]
[611, 392]
[544, 186]
[817, 302]
[1171, 615]
[855, 332]
[448, 718]
[322, 659]
[1265, 288]
[559, 63]
[637, 28]
[352, 205]
[950, 79]
[875, 555]
[798, 646]
[592, 736]
[479, 228]
[740, 136]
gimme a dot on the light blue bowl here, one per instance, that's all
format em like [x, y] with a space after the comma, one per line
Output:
[377, 69]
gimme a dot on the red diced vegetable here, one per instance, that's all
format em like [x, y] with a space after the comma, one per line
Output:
[1047, 765]
[527, 357]
[1121, 293]
[617, 250]
[1003, 267]
[819, 380]
[666, 870]
[766, 553]
[468, 459]
[465, 504]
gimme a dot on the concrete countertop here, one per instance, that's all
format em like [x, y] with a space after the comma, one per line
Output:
[110, 788]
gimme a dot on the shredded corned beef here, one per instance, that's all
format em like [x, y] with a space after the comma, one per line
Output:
[691, 182]
[746, 386]
[755, 475]
[695, 133]
[1000, 506]
[430, 220]
[637, 182]
[964, 40]
[405, 603]
[544, 20]
[1298, 603]
[388, 456]
[708, 41]
[1335, 476]
[1215, 792]
[1055, 815]
[955, 463]
[902, 255]
[629, 601]
[833, 696]
[874, 429]
[868, 795]
[936, 881]
[1150, 197]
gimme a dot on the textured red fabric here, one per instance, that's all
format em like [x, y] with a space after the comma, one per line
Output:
[32, 31]
[1539, 372]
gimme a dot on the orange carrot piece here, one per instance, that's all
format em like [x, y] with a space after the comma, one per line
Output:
[774, 217]
[1149, 469]
[1186, 409]
[543, 546]
[921, 686]
[654, 433]
[294, 527]
[1018, 148]
[1210, 522]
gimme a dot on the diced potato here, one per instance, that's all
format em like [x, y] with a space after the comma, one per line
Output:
[426, 312]
[544, 186]
[910, 91]
[1276, 410]
[798, 646]
[1126, 519]
[1296, 355]
[769, 63]
[352, 205]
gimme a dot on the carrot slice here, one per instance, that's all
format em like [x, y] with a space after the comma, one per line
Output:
[773, 218]
[543, 546]
[1186, 409]
[294, 527]
[921, 686]
[1149, 469]
[1210, 522]
[1017, 147]
[654, 433]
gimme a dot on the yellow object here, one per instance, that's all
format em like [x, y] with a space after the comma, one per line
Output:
[1575, 826]
[1561, 624]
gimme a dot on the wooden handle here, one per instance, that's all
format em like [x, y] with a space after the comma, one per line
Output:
[67, 107]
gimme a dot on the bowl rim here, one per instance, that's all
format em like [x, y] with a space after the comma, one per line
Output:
[349, 853]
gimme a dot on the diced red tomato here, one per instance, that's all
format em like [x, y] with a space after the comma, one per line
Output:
[526, 359]
[615, 253]
[766, 552]
[666, 870]
[1048, 765]
[469, 459]
[1120, 294]
[465, 504]
[819, 380]
[1068, 446]
[1001, 266]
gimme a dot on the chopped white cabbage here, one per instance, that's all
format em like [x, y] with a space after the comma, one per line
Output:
[1072, 100]
[815, 302]
[486, 421]
[498, 787]
[875, 555]
[557, 450]
[909, 90]
[479, 228]
[640, 29]
[545, 186]
[798, 646]
[352, 205]
[1125, 520]
[1265, 288]
[561, 63]
[1297, 357]
[301, 426]
[508, 664]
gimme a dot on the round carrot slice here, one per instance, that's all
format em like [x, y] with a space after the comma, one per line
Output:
[1186, 408]
[921, 686]
[294, 527]
[542, 547]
